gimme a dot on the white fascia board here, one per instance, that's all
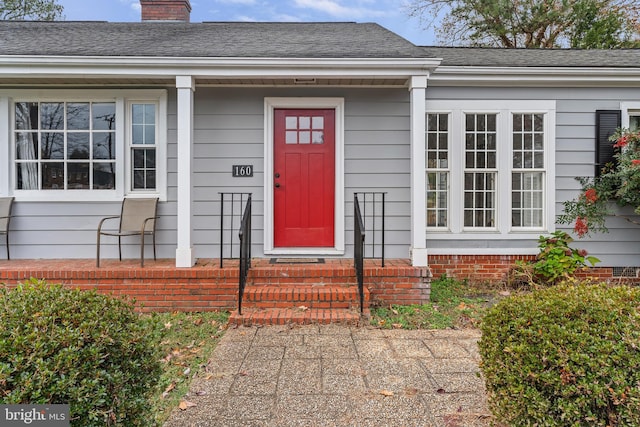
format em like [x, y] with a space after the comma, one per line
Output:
[139, 67]
[536, 76]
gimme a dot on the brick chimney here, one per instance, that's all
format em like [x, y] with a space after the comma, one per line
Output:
[166, 10]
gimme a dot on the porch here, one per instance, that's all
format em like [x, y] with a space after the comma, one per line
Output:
[278, 291]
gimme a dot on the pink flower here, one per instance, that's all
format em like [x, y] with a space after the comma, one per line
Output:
[583, 252]
[591, 195]
[635, 162]
[581, 227]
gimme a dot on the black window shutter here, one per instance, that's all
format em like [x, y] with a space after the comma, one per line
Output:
[607, 121]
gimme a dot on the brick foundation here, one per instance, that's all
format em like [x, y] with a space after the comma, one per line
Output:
[495, 268]
[476, 268]
[160, 286]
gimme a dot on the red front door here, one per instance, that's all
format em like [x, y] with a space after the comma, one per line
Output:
[304, 178]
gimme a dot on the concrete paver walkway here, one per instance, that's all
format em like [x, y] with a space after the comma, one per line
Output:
[282, 376]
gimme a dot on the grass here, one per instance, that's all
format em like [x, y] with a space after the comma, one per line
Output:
[453, 304]
[187, 342]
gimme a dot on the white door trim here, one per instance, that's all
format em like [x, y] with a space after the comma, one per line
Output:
[270, 104]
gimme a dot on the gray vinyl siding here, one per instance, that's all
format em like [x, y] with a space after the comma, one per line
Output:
[229, 129]
[575, 156]
[43, 230]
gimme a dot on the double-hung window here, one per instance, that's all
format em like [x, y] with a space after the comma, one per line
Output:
[143, 143]
[490, 168]
[81, 145]
[437, 157]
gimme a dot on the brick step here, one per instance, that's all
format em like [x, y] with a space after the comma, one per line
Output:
[287, 316]
[295, 296]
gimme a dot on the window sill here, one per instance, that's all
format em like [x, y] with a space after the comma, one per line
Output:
[77, 196]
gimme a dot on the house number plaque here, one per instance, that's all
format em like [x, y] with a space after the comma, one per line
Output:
[242, 171]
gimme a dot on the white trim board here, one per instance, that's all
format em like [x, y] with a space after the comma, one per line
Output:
[270, 104]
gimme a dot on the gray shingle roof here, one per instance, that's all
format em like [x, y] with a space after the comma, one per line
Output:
[274, 40]
[209, 39]
[496, 57]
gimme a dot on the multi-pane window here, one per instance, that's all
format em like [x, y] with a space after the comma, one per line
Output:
[527, 177]
[634, 120]
[304, 129]
[437, 161]
[65, 145]
[480, 170]
[143, 146]
[489, 168]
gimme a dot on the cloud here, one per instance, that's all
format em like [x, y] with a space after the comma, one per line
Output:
[333, 8]
[133, 4]
[244, 2]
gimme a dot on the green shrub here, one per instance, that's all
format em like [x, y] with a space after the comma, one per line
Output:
[556, 261]
[77, 347]
[567, 355]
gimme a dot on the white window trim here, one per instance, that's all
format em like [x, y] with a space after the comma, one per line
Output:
[160, 146]
[626, 107]
[8, 99]
[270, 104]
[504, 109]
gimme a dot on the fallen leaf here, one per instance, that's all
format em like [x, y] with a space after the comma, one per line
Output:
[200, 393]
[411, 391]
[186, 372]
[243, 373]
[462, 306]
[208, 377]
[394, 311]
[504, 293]
[303, 308]
[185, 404]
[397, 325]
[214, 323]
[168, 325]
[386, 393]
[440, 391]
[382, 322]
[198, 321]
[167, 390]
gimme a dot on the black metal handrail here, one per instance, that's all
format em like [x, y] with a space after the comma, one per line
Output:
[235, 204]
[373, 220]
[245, 251]
[358, 249]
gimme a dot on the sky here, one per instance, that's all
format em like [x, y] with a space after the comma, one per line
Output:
[391, 14]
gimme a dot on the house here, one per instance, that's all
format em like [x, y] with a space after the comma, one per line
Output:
[475, 149]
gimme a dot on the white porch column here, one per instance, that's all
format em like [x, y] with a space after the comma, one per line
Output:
[184, 252]
[418, 91]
